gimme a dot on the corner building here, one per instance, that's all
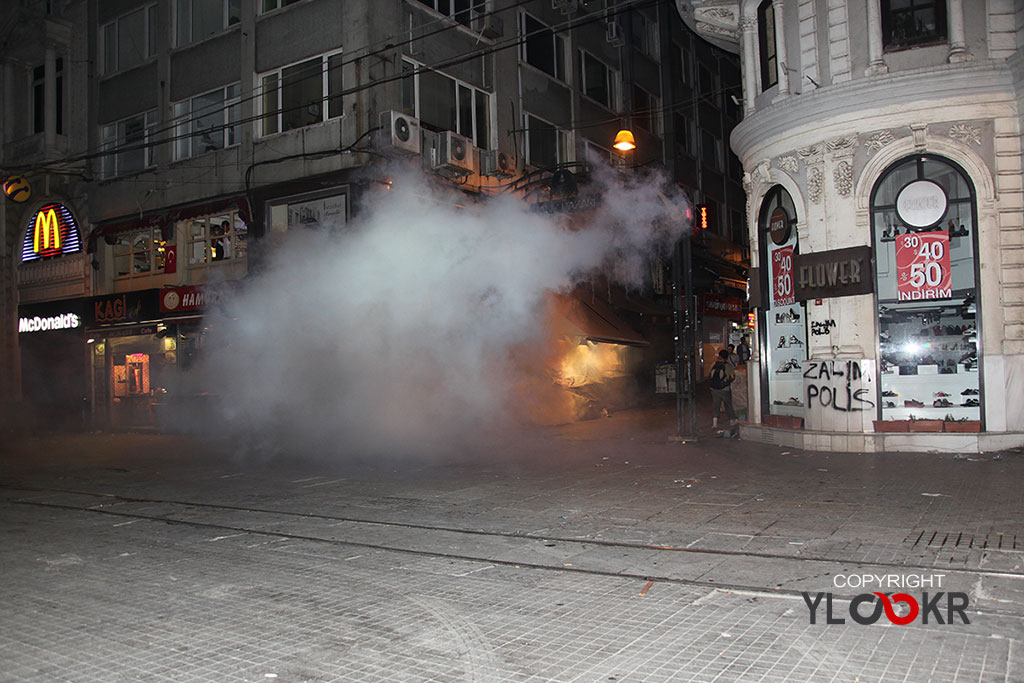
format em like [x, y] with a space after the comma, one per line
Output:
[881, 148]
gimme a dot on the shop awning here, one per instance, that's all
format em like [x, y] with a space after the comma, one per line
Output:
[166, 217]
[597, 322]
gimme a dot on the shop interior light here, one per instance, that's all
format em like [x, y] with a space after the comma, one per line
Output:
[624, 141]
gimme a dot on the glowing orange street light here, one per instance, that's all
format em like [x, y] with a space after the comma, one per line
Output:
[624, 141]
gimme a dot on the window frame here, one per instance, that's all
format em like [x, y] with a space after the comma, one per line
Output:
[277, 4]
[938, 37]
[112, 137]
[225, 24]
[651, 110]
[414, 70]
[331, 102]
[611, 81]
[462, 11]
[37, 97]
[229, 129]
[154, 252]
[563, 142]
[645, 35]
[149, 18]
[237, 245]
[767, 45]
[559, 47]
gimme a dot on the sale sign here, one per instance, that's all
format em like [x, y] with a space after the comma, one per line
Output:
[783, 291]
[922, 266]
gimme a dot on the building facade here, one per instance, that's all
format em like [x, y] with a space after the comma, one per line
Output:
[881, 146]
[184, 138]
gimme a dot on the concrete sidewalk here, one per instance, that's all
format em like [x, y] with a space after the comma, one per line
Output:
[594, 551]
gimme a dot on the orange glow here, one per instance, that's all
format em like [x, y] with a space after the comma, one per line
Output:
[624, 141]
[589, 363]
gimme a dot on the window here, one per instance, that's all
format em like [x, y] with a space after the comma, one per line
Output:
[766, 43]
[906, 23]
[546, 145]
[442, 103]
[270, 5]
[542, 47]
[681, 126]
[206, 122]
[39, 97]
[294, 96]
[681, 57]
[645, 36]
[197, 19]
[646, 112]
[216, 238]
[129, 40]
[463, 11]
[597, 80]
[138, 253]
[710, 151]
[128, 144]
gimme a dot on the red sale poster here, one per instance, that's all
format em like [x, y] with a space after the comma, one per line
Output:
[783, 291]
[922, 266]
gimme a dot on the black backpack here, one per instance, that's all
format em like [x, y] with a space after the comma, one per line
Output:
[719, 376]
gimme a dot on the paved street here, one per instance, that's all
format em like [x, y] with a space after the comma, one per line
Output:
[600, 551]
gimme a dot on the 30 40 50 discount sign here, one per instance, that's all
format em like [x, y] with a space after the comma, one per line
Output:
[922, 266]
[783, 290]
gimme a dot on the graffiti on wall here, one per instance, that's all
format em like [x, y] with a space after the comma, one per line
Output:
[837, 384]
[822, 328]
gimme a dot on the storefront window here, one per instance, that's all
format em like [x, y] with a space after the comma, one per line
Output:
[785, 324]
[222, 237]
[924, 229]
[138, 253]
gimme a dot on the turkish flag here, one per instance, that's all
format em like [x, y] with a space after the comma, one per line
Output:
[171, 259]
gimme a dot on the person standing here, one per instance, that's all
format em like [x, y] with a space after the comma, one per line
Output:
[743, 351]
[720, 381]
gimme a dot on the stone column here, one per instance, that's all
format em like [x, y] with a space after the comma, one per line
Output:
[876, 63]
[751, 66]
[958, 51]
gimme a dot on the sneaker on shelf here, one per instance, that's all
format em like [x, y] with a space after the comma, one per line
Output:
[889, 393]
[970, 403]
[793, 316]
[941, 403]
[793, 341]
[913, 403]
[782, 342]
[969, 330]
[969, 392]
[941, 394]
[890, 404]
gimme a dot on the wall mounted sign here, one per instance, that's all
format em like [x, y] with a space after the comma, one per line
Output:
[722, 306]
[17, 188]
[783, 290]
[921, 204]
[922, 266]
[835, 273]
[779, 226]
[51, 231]
[51, 316]
[126, 307]
[66, 321]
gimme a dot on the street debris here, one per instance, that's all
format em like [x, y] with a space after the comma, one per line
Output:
[646, 588]
[933, 495]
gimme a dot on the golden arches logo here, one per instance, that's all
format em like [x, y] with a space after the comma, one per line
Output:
[46, 233]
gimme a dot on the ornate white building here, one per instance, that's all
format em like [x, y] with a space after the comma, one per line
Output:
[881, 144]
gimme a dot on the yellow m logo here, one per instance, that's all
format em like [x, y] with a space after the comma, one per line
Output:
[47, 231]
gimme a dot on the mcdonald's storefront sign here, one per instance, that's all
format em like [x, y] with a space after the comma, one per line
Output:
[51, 231]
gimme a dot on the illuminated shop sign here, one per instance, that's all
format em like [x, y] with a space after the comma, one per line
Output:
[835, 273]
[65, 321]
[51, 231]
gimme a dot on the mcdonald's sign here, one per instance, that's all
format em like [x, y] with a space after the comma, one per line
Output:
[51, 231]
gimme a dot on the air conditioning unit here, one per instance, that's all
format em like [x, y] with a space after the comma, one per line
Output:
[613, 33]
[453, 155]
[399, 132]
[496, 164]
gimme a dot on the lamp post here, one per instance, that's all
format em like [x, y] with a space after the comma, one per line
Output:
[684, 316]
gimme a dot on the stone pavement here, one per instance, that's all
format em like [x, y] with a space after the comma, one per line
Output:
[599, 551]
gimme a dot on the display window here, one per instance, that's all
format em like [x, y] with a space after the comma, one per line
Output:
[784, 342]
[924, 228]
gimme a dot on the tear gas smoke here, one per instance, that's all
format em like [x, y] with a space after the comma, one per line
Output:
[395, 333]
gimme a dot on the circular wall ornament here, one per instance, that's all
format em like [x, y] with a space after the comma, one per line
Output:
[921, 203]
[779, 226]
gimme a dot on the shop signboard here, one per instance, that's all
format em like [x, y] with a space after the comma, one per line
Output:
[54, 316]
[126, 307]
[51, 231]
[922, 266]
[834, 273]
[783, 290]
[721, 306]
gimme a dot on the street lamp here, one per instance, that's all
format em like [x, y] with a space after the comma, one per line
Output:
[683, 314]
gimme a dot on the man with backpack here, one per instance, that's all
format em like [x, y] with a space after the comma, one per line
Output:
[722, 375]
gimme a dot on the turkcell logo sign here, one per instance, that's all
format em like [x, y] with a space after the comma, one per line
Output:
[66, 321]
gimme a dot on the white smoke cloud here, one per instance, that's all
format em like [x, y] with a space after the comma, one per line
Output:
[393, 334]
